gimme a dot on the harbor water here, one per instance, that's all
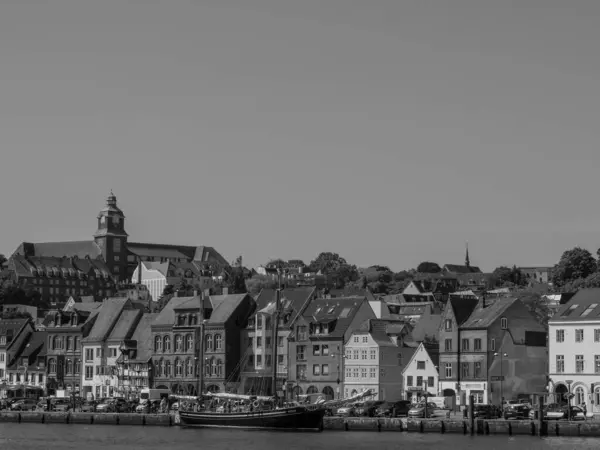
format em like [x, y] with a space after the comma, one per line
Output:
[24, 436]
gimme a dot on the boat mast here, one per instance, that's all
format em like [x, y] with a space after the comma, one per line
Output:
[275, 324]
[200, 341]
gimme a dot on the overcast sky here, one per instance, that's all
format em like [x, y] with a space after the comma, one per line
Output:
[389, 131]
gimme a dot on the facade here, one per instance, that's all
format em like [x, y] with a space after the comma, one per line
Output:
[420, 374]
[115, 322]
[176, 342]
[65, 331]
[316, 350]
[574, 351]
[539, 274]
[111, 244]
[499, 353]
[256, 338]
[14, 333]
[27, 371]
[372, 360]
[135, 362]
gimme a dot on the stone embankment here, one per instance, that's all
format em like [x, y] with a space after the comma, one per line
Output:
[477, 427]
[165, 420]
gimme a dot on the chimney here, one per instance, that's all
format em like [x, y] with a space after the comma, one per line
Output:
[195, 293]
[483, 300]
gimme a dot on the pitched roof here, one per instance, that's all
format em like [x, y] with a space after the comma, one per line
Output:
[406, 353]
[81, 249]
[290, 298]
[89, 307]
[427, 326]
[8, 326]
[192, 253]
[167, 315]
[484, 317]
[143, 337]
[107, 317]
[462, 308]
[378, 330]
[125, 325]
[434, 354]
[225, 306]
[339, 309]
[36, 340]
[461, 269]
[585, 300]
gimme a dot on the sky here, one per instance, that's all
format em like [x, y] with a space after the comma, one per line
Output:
[390, 132]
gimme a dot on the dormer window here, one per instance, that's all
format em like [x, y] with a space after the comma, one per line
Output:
[504, 323]
[448, 325]
[331, 310]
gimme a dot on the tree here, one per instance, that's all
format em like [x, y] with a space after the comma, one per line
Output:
[2, 259]
[505, 275]
[236, 281]
[575, 263]
[333, 264]
[428, 267]
[259, 282]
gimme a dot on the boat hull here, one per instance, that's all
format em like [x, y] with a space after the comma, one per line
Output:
[297, 418]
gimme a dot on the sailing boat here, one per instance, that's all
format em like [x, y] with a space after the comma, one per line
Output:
[251, 411]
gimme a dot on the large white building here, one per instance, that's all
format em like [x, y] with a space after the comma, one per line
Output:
[574, 351]
[421, 373]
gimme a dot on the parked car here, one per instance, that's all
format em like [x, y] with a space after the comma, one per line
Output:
[61, 404]
[149, 407]
[419, 410]
[518, 412]
[88, 406]
[368, 408]
[393, 409]
[27, 404]
[106, 406]
[121, 405]
[553, 411]
[346, 411]
[482, 411]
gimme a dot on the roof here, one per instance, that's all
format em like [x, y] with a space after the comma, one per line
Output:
[484, 317]
[12, 326]
[157, 252]
[89, 307]
[340, 309]
[108, 315]
[162, 267]
[405, 354]
[225, 306]
[143, 337]
[584, 305]
[434, 354]
[462, 308]
[292, 299]
[377, 329]
[125, 325]
[167, 315]
[193, 253]
[427, 326]
[460, 268]
[81, 249]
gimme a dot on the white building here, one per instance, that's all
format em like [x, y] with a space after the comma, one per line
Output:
[574, 351]
[372, 361]
[421, 373]
[116, 322]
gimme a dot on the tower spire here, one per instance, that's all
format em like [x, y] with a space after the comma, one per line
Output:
[467, 262]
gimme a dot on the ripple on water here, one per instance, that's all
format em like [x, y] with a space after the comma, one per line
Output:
[103, 437]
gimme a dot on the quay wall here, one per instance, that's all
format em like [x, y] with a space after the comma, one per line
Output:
[478, 427]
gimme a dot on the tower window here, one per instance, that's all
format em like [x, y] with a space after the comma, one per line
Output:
[116, 220]
[117, 245]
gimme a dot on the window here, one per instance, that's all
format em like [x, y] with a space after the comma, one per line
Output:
[325, 369]
[465, 370]
[117, 245]
[117, 258]
[477, 345]
[77, 367]
[219, 368]
[99, 353]
[316, 369]
[69, 367]
[355, 354]
[365, 339]
[259, 342]
[420, 365]
[112, 352]
[597, 335]
[409, 380]
[363, 354]
[579, 335]
[419, 381]
[300, 371]
[348, 372]
[579, 363]
[596, 363]
[430, 381]
[325, 350]
[448, 345]
[448, 325]
[560, 363]
[448, 370]
[89, 354]
[465, 345]
[280, 360]
[477, 371]
[560, 335]
[300, 353]
[316, 350]
[363, 372]
[167, 343]
[89, 372]
[373, 353]
[178, 368]
[178, 343]
[356, 339]
[70, 343]
[589, 309]
[280, 341]
[373, 372]
[208, 343]
[52, 366]
[569, 311]
[504, 323]
[189, 343]
[302, 334]
[493, 345]
[579, 395]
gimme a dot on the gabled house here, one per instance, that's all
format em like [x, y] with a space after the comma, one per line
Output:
[316, 345]
[421, 374]
[256, 338]
[373, 361]
[14, 334]
[115, 322]
[27, 372]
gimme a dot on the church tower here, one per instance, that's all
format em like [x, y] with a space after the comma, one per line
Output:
[467, 261]
[112, 238]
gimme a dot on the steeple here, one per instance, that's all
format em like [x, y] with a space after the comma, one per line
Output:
[467, 262]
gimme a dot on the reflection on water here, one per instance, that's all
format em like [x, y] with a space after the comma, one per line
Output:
[96, 437]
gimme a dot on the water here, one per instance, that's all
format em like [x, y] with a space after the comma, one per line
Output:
[15, 436]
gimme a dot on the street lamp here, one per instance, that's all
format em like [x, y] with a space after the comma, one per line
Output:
[342, 358]
[502, 356]
[569, 383]
[425, 395]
